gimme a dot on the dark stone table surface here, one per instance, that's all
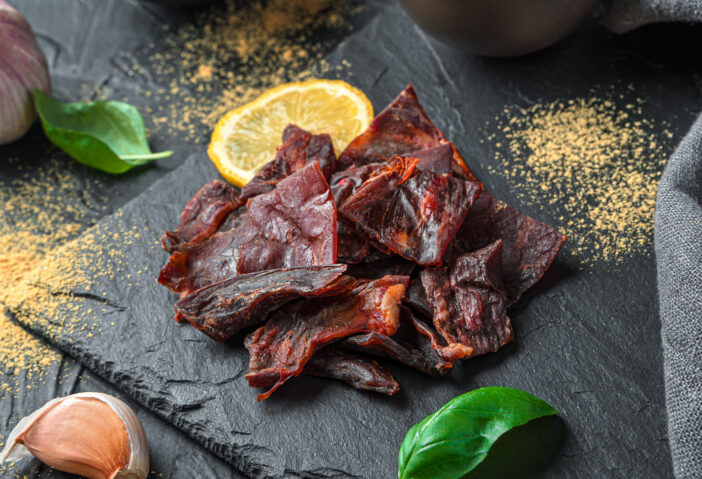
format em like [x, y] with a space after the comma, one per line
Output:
[586, 341]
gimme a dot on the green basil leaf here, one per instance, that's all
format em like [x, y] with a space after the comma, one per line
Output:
[106, 135]
[455, 439]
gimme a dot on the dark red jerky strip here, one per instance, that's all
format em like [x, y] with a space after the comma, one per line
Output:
[282, 347]
[206, 262]
[412, 213]
[344, 183]
[394, 265]
[352, 246]
[402, 127]
[448, 353]
[528, 246]
[355, 370]
[203, 215]
[417, 300]
[437, 159]
[298, 149]
[293, 225]
[468, 305]
[222, 309]
[409, 346]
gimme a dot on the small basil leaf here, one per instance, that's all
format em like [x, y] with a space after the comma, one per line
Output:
[455, 439]
[106, 135]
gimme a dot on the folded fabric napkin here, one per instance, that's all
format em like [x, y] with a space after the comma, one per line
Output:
[623, 15]
[678, 244]
[678, 240]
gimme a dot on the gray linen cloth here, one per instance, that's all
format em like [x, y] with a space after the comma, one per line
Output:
[678, 242]
[623, 15]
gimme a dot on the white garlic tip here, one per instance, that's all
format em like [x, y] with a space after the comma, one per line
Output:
[93, 435]
[23, 68]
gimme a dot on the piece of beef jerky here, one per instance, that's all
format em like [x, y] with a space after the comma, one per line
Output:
[298, 149]
[411, 345]
[402, 127]
[222, 309]
[293, 225]
[202, 215]
[281, 348]
[413, 213]
[206, 262]
[448, 353]
[354, 369]
[345, 183]
[394, 265]
[352, 246]
[417, 300]
[528, 246]
[468, 302]
[437, 159]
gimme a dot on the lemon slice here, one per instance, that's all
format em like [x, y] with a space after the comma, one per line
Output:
[245, 139]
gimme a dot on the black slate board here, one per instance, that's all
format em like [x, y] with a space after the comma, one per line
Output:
[76, 67]
[586, 341]
[166, 446]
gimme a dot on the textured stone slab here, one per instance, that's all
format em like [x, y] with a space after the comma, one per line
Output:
[574, 347]
[586, 341]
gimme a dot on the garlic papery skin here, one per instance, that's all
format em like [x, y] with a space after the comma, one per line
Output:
[93, 435]
[22, 69]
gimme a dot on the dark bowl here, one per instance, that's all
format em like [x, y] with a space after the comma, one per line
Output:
[499, 28]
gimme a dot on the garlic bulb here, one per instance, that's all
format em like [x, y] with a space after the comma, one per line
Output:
[89, 434]
[22, 69]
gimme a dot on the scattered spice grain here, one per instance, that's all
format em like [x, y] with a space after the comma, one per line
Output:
[42, 209]
[229, 55]
[593, 162]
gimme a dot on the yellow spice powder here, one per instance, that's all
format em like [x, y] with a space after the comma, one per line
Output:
[231, 54]
[41, 211]
[595, 164]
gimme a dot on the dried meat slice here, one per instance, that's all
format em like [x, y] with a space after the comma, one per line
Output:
[402, 127]
[414, 345]
[394, 265]
[353, 369]
[222, 309]
[448, 353]
[293, 225]
[437, 159]
[413, 213]
[345, 183]
[468, 302]
[206, 262]
[203, 215]
[299, 148]
[417, 300]
[352, 247]
[282, 347]
[528, 246]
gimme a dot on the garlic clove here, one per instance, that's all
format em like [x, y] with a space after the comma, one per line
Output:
[23, 67]
[90, 434]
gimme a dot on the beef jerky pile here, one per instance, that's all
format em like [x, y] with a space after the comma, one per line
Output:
[391, 250]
